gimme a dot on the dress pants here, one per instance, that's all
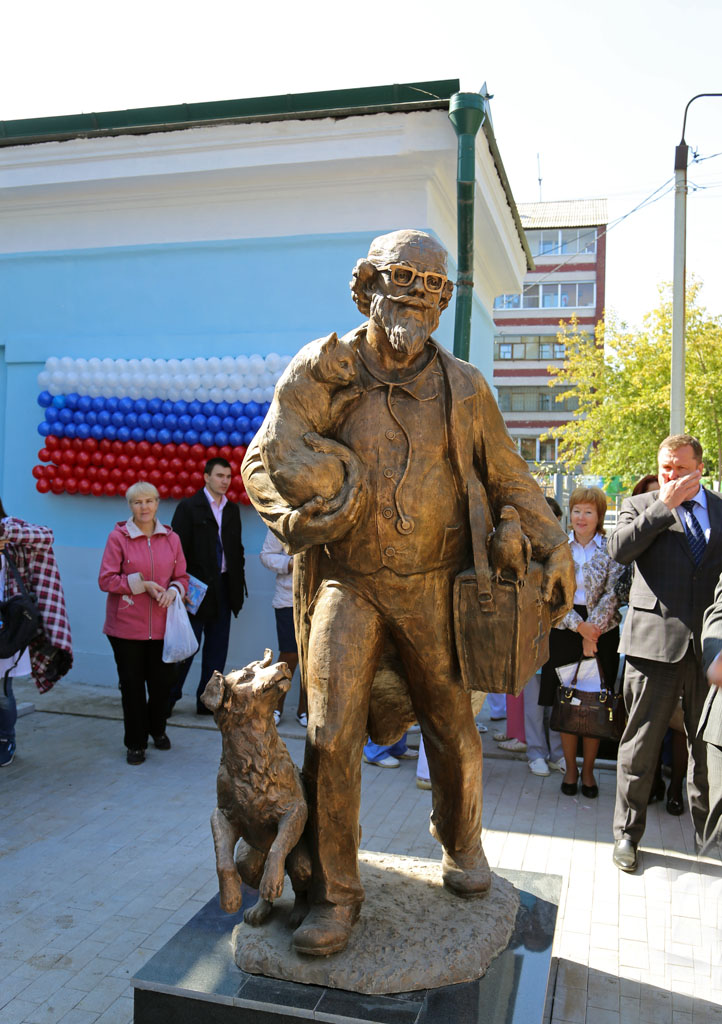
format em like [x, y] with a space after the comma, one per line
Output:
[351, 619]
[214, 637]
[140, 664]
[712, 846]
[651, 692]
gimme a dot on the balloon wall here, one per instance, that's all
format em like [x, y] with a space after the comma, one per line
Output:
[111, 422]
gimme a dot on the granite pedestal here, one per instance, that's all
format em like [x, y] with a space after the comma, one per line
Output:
[194, 980]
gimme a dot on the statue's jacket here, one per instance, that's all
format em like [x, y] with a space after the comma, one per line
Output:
[487, 468]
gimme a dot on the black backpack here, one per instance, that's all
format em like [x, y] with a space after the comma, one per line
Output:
[20, 618]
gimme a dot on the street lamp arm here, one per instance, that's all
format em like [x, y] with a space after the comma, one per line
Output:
[699, 96]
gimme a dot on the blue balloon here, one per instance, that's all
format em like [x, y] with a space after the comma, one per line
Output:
[151, 435]
[126, 405]
[199, 422]
[214, 424]
[166, 407]
[256, 423]
[221, 438]
[265, 407]
[131, 419]
[72, 399]
[110, 432]
[185, 422]
[91, 418]
[252, 409]
[123, 434]
[59, 401]
[209, 409]
[97, 432]
[145, 420]
[178, 437]
[228, 423]
[140, 404]
[98, 404]
[154, 405]
[243, 424]
[158, 420]
[117, 418]
[104, 418]
[171, 421]
[137, 434]
[85, 403]
[52, 414]
[65, 416]
[82, 430]
[164, 436]
[206, 438]
[248, 437]
[44, 429]
[235, 439]
[45, 399]
[78, 417]
[194, 407]
[222, 409]
[180, 407]
[112, 403]
[236, 409]
[191, 437]
[69, 430]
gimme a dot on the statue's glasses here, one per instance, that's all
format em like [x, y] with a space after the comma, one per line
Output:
[404, 276]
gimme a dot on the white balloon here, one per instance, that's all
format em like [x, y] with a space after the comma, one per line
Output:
[81, 364]
[133, 363]
[173, 365]
[228, 364]
[52, 363]
[66, 364]
[273, 362]
[265, 380]
[220, 380]
[108, 365]
[216, 394]
[268, 393]
[244, 395]
[192, 381]
[147, 364]
[43, 379]
[257, 363]
[214, 364]
[202, 394]
[258, 395]
[94, 364]
[230, 394]
[285, 360]
[200, 364]
[250, 380]
[57, 383]
[94, 391]
[242, 364]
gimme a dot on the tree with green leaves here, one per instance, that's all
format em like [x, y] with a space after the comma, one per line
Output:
[621, 379]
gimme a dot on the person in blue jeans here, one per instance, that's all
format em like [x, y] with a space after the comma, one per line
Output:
[388, 757]
[10, 668]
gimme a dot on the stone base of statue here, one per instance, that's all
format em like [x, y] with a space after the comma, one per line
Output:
[412, 933]
[193, 979]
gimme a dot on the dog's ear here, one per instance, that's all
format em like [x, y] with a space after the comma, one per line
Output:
[212, 696]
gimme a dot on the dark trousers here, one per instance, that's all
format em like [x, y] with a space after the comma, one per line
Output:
[214, 636]
[651, 693]
[140, 665]
[713, 826]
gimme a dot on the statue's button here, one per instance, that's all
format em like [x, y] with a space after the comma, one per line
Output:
[388, 473]
[391, 434]
[389, 552]
[387, 513]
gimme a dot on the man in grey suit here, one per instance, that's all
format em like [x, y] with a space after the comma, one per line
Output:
[674, 538]
[710, 726]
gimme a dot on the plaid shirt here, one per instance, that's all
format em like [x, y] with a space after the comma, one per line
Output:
[31, 549]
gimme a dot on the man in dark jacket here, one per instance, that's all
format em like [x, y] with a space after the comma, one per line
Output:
[209, 527]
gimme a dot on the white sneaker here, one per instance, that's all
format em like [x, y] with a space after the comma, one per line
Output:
[514, 746]
[539, 767]
[409, 754]
[558, 766]
[383, 762]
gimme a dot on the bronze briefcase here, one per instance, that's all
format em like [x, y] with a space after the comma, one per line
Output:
[501, 643]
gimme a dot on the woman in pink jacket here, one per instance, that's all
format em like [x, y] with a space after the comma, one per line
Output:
[143, 566]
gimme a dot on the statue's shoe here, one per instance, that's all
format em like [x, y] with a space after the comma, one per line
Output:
[466, 873]
[326, 929]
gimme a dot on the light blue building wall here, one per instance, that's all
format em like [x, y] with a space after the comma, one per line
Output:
[202, 298]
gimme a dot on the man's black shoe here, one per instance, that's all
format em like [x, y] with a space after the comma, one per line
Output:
[161, 742]
[625, 855]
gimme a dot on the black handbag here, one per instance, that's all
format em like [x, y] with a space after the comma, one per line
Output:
[20, 618]
[599, 715]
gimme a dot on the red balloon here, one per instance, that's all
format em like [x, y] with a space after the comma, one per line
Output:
[90, 444]
[162, 463]
[157, 449]
[96, 459]
[198, 452]
[225, 452]
[169, 450]
[44, 455]
[183, 450]
[71, 485]
[211, 451]
[109, 489]
[51, 441]
[38, 472]
[129, 476]
[183, 478]
[143, 448]
[84, 486]
[116, 447]
[130, 447]
[176, 492]
[91, 472]
[82, 459]
[109, 460]
[103, 474]
[155, 476]
[244, 499]
[176, 465]
[163, 490]
[43, 486]
[65, 471]
[169, 477]
[104, 445]
[96, 488]
[77, 444]
[136, 463]
[116, 475]
[64, 442]
[57, 485]
[232, 494]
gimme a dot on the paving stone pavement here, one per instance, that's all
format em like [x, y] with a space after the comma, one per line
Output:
[100, 863]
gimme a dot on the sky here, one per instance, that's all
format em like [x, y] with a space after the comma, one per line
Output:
[598, 91]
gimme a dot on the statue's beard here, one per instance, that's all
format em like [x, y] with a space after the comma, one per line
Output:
[407, 327]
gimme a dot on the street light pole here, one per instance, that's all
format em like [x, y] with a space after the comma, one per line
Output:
[679, 287]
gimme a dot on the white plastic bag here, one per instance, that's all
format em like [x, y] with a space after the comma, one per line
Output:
[179, 641]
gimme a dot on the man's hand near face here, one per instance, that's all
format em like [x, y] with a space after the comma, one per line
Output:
[674, 492]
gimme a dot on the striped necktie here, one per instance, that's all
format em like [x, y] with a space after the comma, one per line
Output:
[695, 535]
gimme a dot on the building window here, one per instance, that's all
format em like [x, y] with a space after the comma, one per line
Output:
[529, 399]
[569, 295]
[527, 448]
[527, 347]
[507, 302]
[562, 241]
[503, 351]
[548, 451]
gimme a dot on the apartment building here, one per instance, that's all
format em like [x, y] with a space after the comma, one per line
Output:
[568, 242]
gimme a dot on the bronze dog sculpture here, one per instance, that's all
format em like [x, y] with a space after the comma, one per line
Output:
[261, 800]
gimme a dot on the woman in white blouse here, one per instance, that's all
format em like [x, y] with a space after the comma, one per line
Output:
[590, 628]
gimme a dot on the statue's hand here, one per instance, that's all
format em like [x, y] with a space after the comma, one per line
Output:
[559, 582]
[322, 520]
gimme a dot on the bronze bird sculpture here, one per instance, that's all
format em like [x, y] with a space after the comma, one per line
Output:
[509, 548]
